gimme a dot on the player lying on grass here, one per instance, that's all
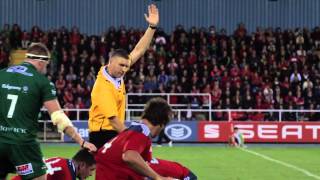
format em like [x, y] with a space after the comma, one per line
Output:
[126, 155]
[80, 166]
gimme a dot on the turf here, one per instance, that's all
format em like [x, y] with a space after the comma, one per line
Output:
[233, 164]
[225, 163]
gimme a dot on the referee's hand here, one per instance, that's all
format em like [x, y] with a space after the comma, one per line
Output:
[153, 15]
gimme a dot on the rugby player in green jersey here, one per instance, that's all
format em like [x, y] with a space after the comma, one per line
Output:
[23, 91]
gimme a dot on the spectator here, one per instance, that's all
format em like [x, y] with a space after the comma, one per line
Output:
[71, 76]
[266, 57]
[295, 77]
[4, 58]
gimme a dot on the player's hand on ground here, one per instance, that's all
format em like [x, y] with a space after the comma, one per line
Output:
[91, 147]
[153, 15]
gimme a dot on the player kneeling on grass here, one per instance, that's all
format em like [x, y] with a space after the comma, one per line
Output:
[236, 139]
[24, 90]
[126, 155]
[80, 166]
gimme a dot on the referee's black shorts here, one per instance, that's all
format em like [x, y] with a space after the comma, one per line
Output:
[99, 138]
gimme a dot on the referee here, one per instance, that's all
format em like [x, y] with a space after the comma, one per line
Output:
[107, 111]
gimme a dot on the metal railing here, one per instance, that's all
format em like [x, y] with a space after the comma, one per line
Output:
[49, 132]
[182, 110]
[178, 113]
[204, 102]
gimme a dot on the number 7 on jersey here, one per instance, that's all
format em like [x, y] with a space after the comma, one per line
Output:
[14, 99]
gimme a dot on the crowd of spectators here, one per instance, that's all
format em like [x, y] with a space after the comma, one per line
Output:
[270, 68]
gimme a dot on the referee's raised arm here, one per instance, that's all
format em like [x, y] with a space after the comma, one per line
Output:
[153, 19]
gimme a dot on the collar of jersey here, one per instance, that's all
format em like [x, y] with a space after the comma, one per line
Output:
[72, 165]
[145, 129]
[112, 79]
[29, 64]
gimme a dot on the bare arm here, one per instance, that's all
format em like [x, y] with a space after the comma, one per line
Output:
[136, 162]
[153, 19]
[118, 126]
[54, 106]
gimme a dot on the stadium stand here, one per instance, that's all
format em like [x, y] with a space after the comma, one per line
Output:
[266, 69]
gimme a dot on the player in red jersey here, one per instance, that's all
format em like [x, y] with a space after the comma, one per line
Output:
[80, 166]
[126, 155]
[171, 169]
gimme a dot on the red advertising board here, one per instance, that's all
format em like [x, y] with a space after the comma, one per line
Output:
[283, 132]
[213, 131]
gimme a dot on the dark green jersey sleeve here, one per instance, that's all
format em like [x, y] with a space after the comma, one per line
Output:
[48, 90]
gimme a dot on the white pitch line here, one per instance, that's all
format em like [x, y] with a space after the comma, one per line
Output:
[282, 163]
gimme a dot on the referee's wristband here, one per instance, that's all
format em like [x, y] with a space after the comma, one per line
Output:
[153, 27]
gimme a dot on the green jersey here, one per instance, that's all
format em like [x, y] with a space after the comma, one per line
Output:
[23, 90]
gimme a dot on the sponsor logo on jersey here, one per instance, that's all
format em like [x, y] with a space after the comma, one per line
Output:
[178, 131]
[24, 169]
[53, 92]
[154, 161]
[13, 129]
[10, 87]
[19, 69]
[25, 89]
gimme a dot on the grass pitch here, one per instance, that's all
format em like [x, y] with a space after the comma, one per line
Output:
[211, 162]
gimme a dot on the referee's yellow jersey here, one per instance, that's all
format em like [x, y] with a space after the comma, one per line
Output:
[107, 100]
